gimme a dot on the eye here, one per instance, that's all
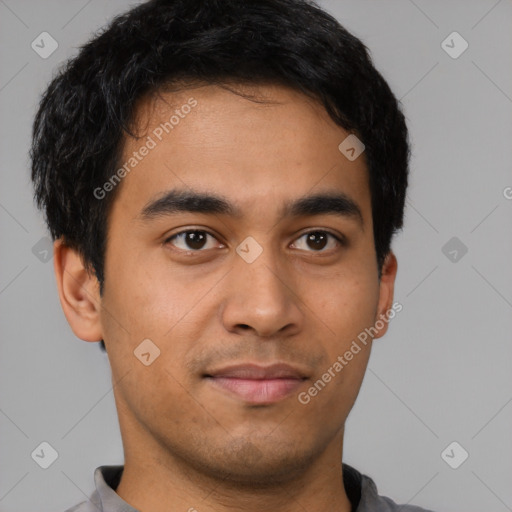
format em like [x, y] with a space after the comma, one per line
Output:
[191, 240]
[318, 240]
[196, 240]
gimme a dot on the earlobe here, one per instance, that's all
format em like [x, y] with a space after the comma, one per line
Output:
[78, 293]
[386, 293]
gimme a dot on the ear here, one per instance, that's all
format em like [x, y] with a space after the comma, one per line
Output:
[78, 292]
[387, 288]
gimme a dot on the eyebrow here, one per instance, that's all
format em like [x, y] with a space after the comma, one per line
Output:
[179, 201]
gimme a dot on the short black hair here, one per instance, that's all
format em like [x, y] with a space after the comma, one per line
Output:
[88, 108]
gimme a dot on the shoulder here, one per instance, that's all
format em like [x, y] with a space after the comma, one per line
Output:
[103, 498]
[84, 506]
[371, 501]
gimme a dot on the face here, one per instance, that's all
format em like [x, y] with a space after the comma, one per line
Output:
[256, 275]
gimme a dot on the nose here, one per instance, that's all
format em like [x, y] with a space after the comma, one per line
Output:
[263, 298]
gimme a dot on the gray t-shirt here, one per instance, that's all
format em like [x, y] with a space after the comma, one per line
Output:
[360, 489]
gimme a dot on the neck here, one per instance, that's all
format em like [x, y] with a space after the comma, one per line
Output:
[157, 482]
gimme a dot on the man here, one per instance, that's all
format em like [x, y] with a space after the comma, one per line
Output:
[222, 180]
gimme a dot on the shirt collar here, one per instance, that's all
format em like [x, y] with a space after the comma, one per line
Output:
[106, 479]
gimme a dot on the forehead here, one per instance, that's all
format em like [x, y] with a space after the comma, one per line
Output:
[271, 150]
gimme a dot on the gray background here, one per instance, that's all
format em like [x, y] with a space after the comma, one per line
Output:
[443, 371]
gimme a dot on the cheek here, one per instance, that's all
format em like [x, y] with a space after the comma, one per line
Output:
[347, 305]
[351, 312]
[151, 300]
[347, 308]
[144, 301]
[140, 308]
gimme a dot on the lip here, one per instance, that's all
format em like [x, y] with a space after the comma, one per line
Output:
[258, 384]
[256, 372]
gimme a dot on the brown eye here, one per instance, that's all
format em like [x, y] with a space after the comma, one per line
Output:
[191, 240]
[317, 241]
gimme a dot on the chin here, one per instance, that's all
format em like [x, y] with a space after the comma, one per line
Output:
[244, 463]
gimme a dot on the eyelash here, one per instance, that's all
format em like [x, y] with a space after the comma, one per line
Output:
[341, 241]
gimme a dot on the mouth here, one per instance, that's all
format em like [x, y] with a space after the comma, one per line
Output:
[257, 384]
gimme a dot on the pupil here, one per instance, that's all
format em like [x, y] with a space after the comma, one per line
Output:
[195, 239]
[320, 237]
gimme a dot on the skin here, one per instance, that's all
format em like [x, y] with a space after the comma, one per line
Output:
[187, 444]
